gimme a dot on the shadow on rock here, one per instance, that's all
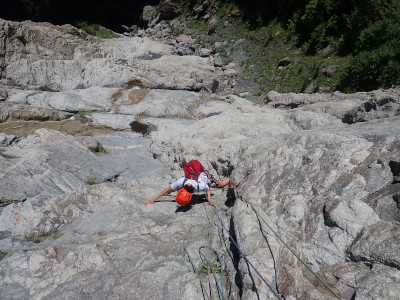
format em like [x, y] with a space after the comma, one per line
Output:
[230, 197]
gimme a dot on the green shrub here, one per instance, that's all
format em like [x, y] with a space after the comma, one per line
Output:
[373, 69]
[377, 34]
[200, 25]
[369, 31]
[90, 181]
[96, 30]
[98, 149]
[186, 5]
[225, 9]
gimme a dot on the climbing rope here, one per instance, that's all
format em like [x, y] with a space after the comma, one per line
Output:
[244, 256]
[220, 288]
[191, 260]
[290, 249]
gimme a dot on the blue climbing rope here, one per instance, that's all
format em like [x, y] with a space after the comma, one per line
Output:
[245, 258]
[220, 288]
[293, 252]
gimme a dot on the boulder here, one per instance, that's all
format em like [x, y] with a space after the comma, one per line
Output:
[236, 13]
[204, 52]
[217, 46]
[148, 14]
[328, 71]
[377, 244]
[285, 62]
[212, 25]
[218, 62]
[169, 10]
[185, 39]
[230, 72]
[184, 51]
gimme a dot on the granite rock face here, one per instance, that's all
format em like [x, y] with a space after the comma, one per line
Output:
[57, 58]
[90, 129]
[328, 188]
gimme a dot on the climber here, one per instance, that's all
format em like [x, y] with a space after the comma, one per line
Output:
[184, 195]
[196, 178]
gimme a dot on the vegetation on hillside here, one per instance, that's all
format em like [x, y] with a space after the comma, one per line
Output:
[359, 38]
[96, 30]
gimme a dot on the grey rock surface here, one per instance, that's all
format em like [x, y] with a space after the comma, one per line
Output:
[318, 173]
[3, 95]
[11, 111]
[6, 140]
[52, 58]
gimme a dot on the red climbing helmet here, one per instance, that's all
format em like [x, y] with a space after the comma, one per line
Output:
[183, 197]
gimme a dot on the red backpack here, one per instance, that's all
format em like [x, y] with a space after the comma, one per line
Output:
[193, 169]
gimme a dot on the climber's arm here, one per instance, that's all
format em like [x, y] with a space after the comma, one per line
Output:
[165, 191]
[209, 199]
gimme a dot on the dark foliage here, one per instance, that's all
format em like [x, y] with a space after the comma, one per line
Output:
[367, 30]
[110, 14]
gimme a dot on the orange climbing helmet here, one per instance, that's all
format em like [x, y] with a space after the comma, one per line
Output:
[183, 197]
